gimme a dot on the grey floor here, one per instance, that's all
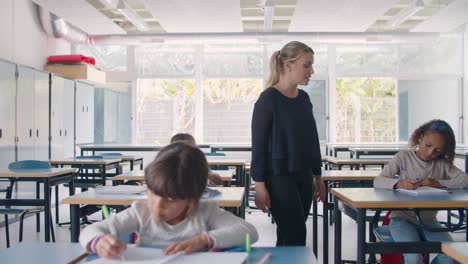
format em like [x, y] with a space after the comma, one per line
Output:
[262, 222]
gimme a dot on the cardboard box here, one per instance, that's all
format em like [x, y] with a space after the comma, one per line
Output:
[78, 71]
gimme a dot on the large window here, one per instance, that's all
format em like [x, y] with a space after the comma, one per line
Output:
[108, 57]
[366, 109]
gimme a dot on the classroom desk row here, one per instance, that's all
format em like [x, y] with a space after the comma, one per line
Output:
[59, 253]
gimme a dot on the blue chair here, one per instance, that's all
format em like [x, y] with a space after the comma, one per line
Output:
[22, 211]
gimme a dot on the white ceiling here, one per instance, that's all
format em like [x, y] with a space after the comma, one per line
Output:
[193, 16]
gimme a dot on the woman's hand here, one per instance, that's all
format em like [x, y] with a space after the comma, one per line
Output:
[110, 247]
[429, 182]
[262, 197]
[195, 244]
[408, 184]
[319, 194]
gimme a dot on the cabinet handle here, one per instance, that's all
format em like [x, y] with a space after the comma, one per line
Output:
[0, 133]
[82, 109]
[37, 132]
[30, 132]
[65, 132]
[60, 132]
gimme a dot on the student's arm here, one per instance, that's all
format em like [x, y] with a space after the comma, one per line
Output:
[386, 178]
[262, 119]
[457, 178]
[215, 178]
[124, 223]
[228, 230]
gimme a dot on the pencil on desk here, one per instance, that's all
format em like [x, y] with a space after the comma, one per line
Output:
[78, 259]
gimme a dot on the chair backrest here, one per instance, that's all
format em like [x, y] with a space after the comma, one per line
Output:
[89, 157]
[114, 154]
[215, 154]
[28, 164]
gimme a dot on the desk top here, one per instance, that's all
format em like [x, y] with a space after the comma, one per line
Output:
[75, 161]
[350, 175]
[123, 157]
[364, 161]
[127, 147]
[139, 175]
[35, 173]
[378, 148]
[382, 198]
[456, 250]
[226, 160]
[62, 252]
[230, 197]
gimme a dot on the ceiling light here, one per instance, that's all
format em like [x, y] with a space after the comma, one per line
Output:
[268, 13]
[406, 13]
[132, 16]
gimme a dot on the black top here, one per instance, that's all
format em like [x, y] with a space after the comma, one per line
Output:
[284, 135]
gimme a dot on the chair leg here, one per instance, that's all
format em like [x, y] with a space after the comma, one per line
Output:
[7, 231]
[52, 228]
[21, 226]
[56, 204]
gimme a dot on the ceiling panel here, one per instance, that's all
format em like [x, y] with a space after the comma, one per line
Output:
[82, 15]
[197, 15]
[337, 15]
[457, 12]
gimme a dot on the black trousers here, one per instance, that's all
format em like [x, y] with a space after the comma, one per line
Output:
[290, 200]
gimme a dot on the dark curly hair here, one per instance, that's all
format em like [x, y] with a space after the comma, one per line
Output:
[441, 127]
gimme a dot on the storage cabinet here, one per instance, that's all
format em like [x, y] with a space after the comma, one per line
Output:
[7, 112]
[62, 117]
[84, 124]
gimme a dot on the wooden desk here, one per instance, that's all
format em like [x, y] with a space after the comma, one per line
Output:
[231, 197]
[357, 152]
[230, 147]
[133, 160]
[124, 147]
[332, 149]
[355, 201]
[456, 250]
[49, 178]
[357, 163]
[60, 252]
[82, 164]
[330, 177]
[139, 175]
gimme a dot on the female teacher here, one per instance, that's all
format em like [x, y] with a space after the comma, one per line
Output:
[285, 146]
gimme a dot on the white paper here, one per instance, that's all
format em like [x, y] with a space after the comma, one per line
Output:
[137, 255]
[425, 190]
[122, 189]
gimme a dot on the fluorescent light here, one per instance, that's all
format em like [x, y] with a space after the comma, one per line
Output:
[406, 13]
[268, 13]
[132, 16]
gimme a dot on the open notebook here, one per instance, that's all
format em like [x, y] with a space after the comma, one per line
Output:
[425, 191]
[138, 255]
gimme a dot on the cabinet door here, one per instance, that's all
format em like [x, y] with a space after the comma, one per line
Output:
[84, 113]
[56, 117]
[7, 113]
[90, 114]
[25, 113]
[68, 118]
[41, 115]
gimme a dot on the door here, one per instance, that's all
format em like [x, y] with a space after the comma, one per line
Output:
[7, 113]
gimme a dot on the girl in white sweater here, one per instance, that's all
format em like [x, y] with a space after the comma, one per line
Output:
[430, 163]
[172, 216]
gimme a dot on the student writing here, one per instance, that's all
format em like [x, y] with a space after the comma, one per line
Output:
[428, 163]
[172, 216]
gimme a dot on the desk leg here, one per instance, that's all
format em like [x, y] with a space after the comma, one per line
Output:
[325, 225]
[337, 214]
[314, 227]
[103, 175]
[361, 236]
[47, 212]
[74, 222]
[38, 215]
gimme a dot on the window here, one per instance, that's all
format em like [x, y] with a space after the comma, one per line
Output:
[165, 60]
[110, 58]
[365, 110]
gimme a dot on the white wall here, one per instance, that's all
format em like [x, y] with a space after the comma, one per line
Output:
[23, 40]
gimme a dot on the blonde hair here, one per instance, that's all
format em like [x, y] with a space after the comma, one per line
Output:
[290, 52]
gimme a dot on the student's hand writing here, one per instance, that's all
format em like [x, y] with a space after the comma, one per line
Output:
[319, 194]
[408, 184]
[262, 197]
[188, 246]
[430, 182]
[110, 247]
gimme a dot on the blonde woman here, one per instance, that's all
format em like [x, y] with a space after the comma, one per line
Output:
[286, 160]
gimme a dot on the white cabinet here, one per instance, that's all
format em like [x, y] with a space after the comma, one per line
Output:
[62, 117]
[84, 129]
[7, 113]
[32, 114]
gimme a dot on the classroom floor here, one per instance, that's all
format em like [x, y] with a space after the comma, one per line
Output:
[261, 221]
